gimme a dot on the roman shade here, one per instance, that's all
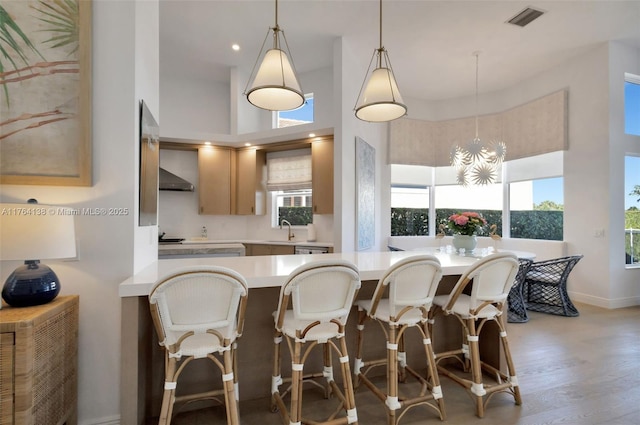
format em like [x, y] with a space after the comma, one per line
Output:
[534, 128]
[289, 170]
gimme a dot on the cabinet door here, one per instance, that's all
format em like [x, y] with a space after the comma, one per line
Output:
[322, 176]
[282, 250]
[260, 249]
[251, 189]
[216, 185]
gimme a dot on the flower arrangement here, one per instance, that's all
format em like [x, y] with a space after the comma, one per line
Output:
[466, 223]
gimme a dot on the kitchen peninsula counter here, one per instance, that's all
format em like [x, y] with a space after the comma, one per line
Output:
[141, 357]
[272, 270]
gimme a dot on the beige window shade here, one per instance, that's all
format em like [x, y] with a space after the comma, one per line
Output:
[537, 127]
[289, 170]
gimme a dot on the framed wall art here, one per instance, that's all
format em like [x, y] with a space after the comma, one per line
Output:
[365, 194]
[45, 92]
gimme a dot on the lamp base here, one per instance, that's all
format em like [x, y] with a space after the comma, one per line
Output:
[31, 284]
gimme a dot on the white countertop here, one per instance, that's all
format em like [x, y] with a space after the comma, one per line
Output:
[253, 241]
[272, 270]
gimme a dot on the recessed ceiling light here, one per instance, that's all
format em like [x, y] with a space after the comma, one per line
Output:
[312, 134]
[235, 47]
[247, 144]
[207, 143]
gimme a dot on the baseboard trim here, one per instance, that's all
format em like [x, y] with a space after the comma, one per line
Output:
[108, 420]
[604, 302]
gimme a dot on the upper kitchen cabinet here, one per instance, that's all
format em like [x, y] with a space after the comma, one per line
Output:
[217, 180]
[251, 180]
[322, 176]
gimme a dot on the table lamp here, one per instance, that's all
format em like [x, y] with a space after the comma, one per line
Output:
[33, 232]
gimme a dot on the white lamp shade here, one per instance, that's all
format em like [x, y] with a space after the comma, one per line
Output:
[381, 100]
[36, 232]
[275, 86]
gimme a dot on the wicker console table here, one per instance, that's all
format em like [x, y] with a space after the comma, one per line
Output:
[39, 363]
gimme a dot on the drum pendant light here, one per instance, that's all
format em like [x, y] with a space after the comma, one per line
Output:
[275, 86]
[380, 100]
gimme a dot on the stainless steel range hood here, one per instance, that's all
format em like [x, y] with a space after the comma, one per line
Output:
[169, 181]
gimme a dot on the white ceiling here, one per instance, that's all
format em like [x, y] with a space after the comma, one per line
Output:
[430, 43]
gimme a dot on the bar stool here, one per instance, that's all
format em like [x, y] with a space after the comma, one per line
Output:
[411, 285]
[493, 277]
[321, 294]
[198, 314]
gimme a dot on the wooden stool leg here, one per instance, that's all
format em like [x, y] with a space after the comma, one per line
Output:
[168, 396]
[477, 387]
[276, 374]
[229, 389]
[350, 400]
[432, 370]
[362, 318]
[402, 360]
[510, 365]
[392, 403]
[295, 412]
[327, 372]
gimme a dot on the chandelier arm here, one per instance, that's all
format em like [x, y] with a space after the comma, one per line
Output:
[252, 75]
[365, 79]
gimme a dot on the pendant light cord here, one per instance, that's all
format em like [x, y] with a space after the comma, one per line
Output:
[276, 13]
[477, 54]
[381, 25]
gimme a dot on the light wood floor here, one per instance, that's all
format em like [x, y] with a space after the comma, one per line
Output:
[583, 370]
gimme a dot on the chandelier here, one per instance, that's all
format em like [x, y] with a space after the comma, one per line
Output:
[476, 162]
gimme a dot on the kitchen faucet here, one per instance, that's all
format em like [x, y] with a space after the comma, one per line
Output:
[289, 235]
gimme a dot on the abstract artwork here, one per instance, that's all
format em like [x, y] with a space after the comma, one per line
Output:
[365, 194]
[45, 92]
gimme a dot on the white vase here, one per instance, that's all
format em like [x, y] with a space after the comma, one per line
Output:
[465, 241]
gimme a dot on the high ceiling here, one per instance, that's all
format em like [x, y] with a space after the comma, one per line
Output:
[430, 43]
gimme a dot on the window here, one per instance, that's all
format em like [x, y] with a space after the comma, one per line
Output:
[536, 197]
[632, 210]
[410, 191]
[530, 200]
[409, 211]
[289, 182]
[301, 115]
[632, 104]
[293, 206]
[536, 209]
[486, 200]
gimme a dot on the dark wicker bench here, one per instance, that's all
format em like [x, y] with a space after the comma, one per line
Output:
[545, 286]
[516, 307]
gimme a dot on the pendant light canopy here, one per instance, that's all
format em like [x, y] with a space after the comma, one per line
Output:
[380, 100]
[275, 86]
[477, 162]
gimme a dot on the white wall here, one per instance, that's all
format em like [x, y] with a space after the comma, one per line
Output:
[105, 243]
[624, 286]
[193, 109]
[178, 211]
[593, 165]
[202, 110]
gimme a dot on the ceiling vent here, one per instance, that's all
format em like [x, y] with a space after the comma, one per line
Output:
[525, 17]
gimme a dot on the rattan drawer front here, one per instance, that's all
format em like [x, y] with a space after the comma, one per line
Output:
[6, 377]
[39, 368]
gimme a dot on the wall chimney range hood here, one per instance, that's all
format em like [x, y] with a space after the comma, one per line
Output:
[169, 181]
